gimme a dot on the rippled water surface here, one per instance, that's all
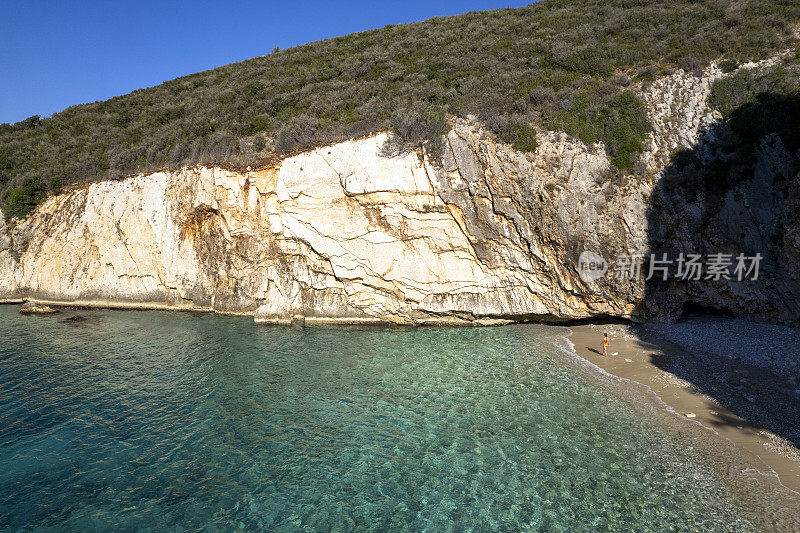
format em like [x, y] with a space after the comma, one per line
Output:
[133, 420]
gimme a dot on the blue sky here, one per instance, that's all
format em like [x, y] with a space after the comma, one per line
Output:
[56, 54]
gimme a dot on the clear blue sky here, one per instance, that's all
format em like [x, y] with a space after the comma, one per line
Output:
[56, 54]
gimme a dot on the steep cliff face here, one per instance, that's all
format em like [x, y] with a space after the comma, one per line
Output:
[755, 213]
[345, 233]
[336, 233]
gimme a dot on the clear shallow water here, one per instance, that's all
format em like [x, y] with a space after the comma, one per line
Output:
[166, 420]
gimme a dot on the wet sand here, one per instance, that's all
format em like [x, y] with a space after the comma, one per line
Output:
[734, 401]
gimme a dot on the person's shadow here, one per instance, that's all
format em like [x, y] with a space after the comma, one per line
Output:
[593, 350]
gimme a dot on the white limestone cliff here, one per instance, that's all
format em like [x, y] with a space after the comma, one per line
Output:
[344, 233]
[338, 233]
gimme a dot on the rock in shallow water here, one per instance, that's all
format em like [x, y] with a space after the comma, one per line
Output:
[32, 308]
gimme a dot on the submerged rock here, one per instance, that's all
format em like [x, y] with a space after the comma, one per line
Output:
[81, 321]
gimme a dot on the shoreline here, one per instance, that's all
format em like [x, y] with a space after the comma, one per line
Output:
[298, 319]
[642, 363]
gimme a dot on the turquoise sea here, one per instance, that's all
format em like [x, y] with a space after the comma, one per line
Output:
[161, 421]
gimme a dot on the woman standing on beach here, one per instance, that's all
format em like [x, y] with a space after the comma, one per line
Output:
[605, 344]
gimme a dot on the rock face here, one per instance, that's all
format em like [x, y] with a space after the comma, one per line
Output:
[344, 233]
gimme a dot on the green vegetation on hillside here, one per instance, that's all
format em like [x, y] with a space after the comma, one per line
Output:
[559, 64]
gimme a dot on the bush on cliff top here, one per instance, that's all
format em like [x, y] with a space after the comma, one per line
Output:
[558, 64]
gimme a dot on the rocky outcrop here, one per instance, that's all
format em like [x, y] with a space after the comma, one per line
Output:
[347, 233]
[32, 308]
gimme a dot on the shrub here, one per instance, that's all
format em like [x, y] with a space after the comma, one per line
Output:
[621, 124]
[521, 136]
[22, 200]
[296, 131]
[417, 128]
[728, 65]
[690, 64]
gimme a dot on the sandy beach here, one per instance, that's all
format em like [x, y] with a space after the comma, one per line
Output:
[736, 380]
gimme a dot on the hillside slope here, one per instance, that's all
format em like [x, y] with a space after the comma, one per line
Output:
[562, 65]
